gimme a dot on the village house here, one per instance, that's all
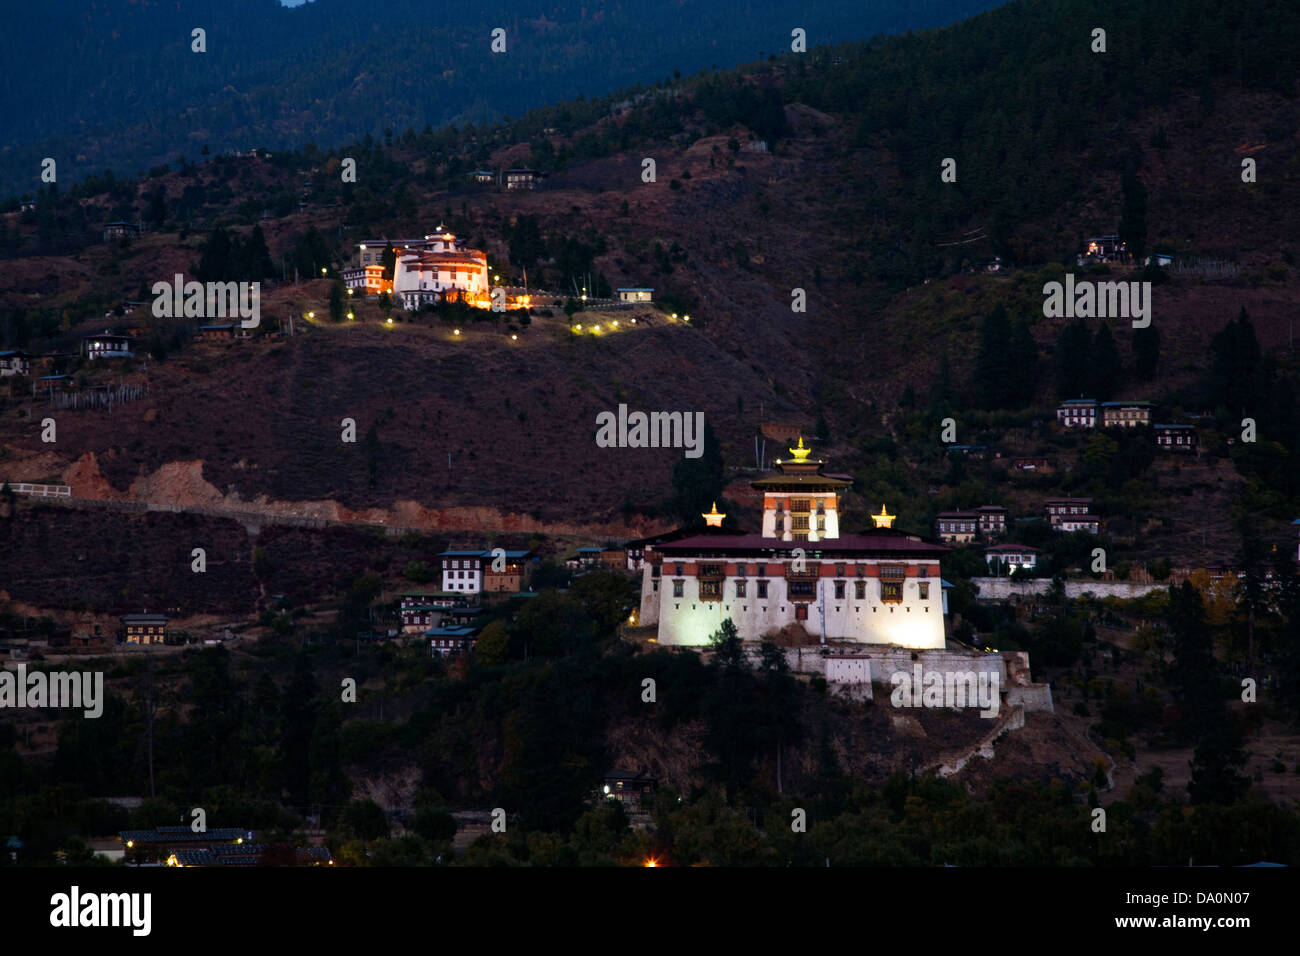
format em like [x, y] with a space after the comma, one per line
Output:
[145, 628]
[635, 295]
[472, 572]
[636, 790]
[27, 205]
[992, 520]
[882, 587]
[1010, 557]
[106, 345]
[1068, 510]
[1030, 464]
[1077, 413]
[957, 527]
[975, 452]
[1099, 249]
[368, 280]
[484, 177]
[420, 611]
[1161, 259]
[522, 178]
[1177, 437]
[450, 640]
[216, 333]
[613, 559]
[1125, 414]
[52, 383]
[584, 559]
[15, 362]
[121, 230]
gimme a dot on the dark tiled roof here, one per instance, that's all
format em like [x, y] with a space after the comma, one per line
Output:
[877, 542]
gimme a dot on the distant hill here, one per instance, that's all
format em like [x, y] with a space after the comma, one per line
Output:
[818, 173]
[117, 86]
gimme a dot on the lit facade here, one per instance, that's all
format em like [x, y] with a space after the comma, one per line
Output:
[882, 587]
[442, 268]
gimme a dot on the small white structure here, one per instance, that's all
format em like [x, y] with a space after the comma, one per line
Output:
[1012, 557]
[635, 295]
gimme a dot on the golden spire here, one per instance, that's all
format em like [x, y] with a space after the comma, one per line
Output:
[801, 452]
[884, 519]
[713, 519]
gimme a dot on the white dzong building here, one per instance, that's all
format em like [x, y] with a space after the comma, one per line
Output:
[439, 268]
[883, 587]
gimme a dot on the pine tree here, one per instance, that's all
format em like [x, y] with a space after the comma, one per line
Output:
[1023, 362]
[993, 381]
[1146, 352]
[1105, 365]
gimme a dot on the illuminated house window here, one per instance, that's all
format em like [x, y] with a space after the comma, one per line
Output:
[799, 523]
[710, 590]
[859, 589]
[799, 536]
[924, 587]
[800, 504]
[891, 591]
[677, 589]
[740, 589]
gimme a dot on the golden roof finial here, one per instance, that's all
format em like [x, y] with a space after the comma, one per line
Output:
[713, 519]
[801, 452]
[884, 519]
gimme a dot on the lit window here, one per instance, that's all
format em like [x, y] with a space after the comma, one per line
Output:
[677, 589]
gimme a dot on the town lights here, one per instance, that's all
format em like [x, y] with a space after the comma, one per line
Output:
[686, 318]
[513, 337]
[456, 332]
[390, 320]
[578, 326]
[349, 315]
[322, 270]
[311, 315]
[349, 290]
[651, 862]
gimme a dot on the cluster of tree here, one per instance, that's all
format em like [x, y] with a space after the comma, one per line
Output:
[230, 257]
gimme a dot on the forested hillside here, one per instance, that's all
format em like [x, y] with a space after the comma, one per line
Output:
[118, 86]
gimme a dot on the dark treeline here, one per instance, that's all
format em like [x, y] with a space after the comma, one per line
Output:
[120, 85]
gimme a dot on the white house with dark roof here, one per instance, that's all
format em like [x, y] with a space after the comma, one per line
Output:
[1011, 557]
[1077, 413]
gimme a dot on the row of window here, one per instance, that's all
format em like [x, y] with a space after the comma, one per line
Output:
[760, 570]
[889, 590]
